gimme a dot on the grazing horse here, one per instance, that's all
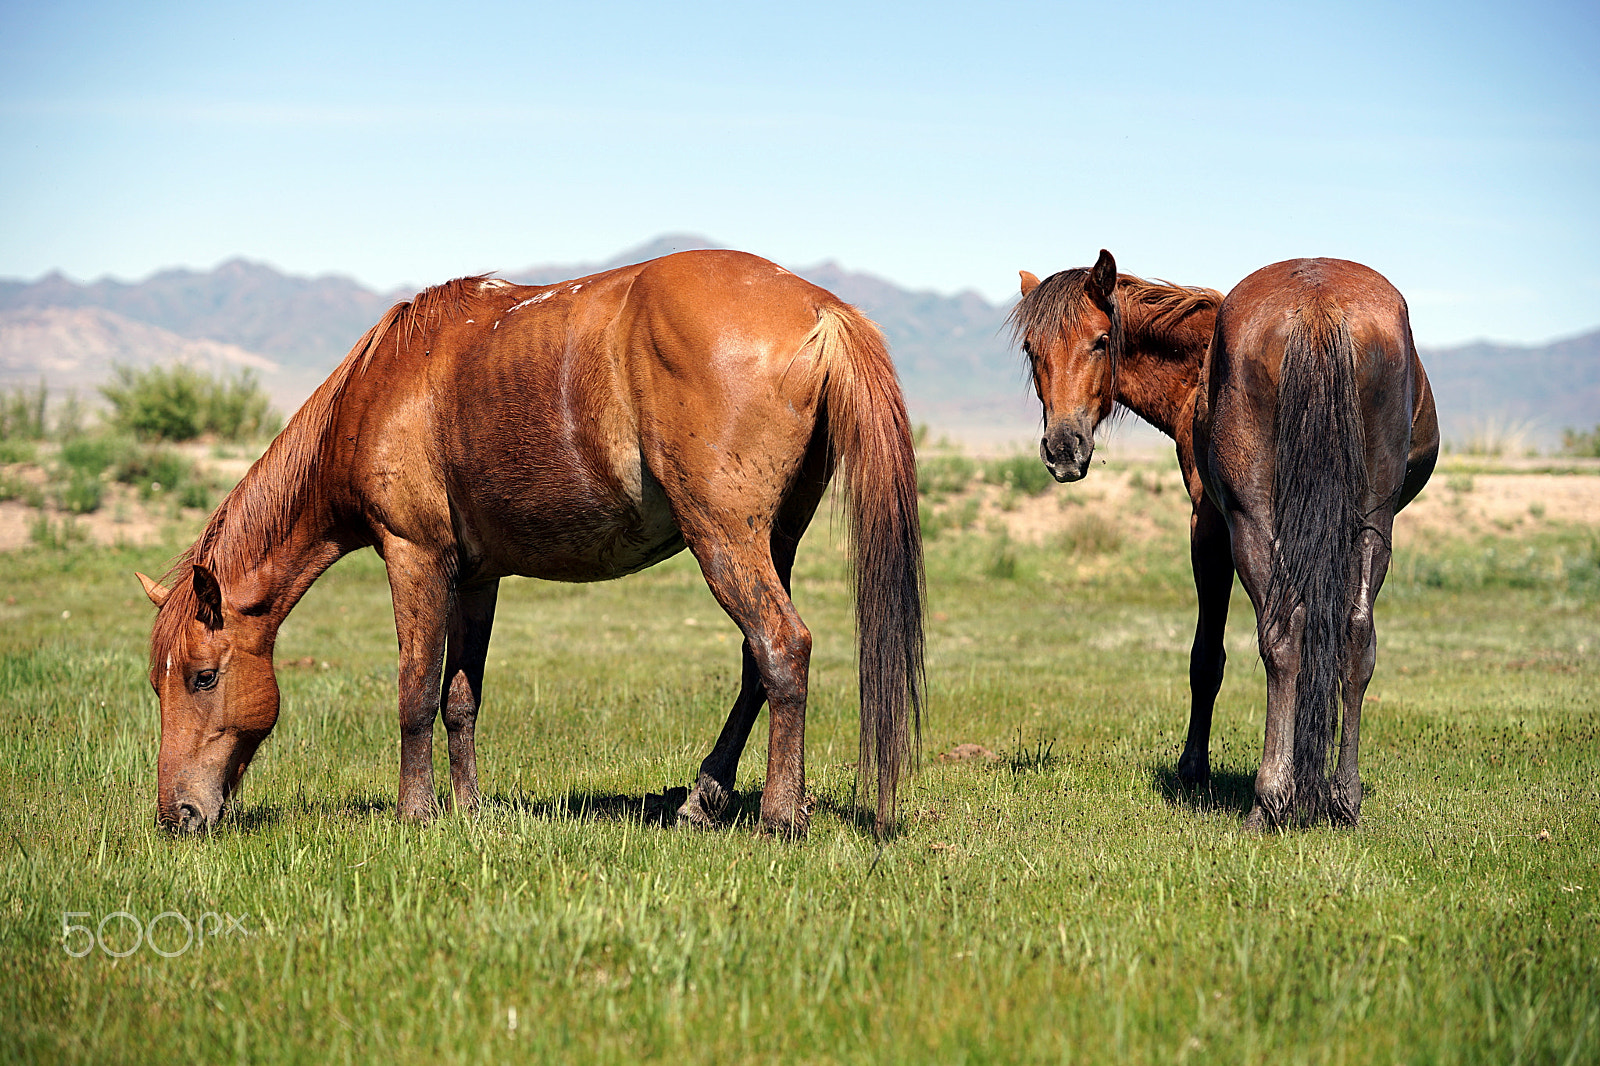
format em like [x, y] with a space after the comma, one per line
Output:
[573, 432]
[1303, 421]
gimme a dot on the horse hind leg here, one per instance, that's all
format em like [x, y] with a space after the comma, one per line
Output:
[742, 576]
[714, 787]
[1372, 555]
[471, 622]
[1280, 643]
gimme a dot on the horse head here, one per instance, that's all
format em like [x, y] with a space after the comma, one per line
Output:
[211, 667]
[1071, 332]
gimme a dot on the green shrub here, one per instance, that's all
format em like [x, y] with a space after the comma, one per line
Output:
[1021, 473]
[198, 493]
[81, 494]
[957, 517]
[1090, 534]
[56, 535]
[1003, 564]
[154, 470]
[22, 413]
[17, 451]
[15, 488]
[91, 455]
[938, 475]
[1585, 445]
[180, 403]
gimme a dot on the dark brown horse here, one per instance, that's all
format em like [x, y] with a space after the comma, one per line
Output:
[574, 432]
[1303, 421]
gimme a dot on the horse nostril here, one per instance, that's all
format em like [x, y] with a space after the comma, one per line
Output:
[189, 818]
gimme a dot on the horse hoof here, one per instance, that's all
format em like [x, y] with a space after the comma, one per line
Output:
[1344, 810]
[1194, 773]
[693, 816]
[1256, 821]
[786, 829]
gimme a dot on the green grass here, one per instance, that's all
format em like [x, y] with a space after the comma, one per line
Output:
[1061, 903]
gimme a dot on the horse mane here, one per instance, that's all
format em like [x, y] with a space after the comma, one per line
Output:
[1155, 310]
[1057, 299]
[258, 512]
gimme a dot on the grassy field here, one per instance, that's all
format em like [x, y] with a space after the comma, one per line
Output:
[1060, 902]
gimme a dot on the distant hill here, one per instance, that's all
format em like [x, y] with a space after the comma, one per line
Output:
[954, 353]
[305, 322]
[1549, 387]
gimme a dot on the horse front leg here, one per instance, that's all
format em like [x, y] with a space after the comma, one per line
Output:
[1361, 657]
[1211, 556]
[471, 622]
[421, 593]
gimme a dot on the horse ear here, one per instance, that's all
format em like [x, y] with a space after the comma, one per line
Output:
[209, 593]
[157, 594]
[1103, 277]
[1029, 282]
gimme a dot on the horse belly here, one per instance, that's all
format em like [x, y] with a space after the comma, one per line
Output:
[576, 525]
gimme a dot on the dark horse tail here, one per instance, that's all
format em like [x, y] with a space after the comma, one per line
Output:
[870, 438]
[1319, 480]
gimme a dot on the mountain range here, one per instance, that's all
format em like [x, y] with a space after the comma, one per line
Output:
[956, 361]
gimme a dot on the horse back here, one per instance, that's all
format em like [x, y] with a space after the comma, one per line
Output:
[529, 428]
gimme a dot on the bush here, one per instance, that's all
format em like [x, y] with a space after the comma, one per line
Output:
[15, 488]
[180, 403]
[56, 536]
[22, 414]
[1090, 534]
[81, 494]
[941, 474]
[91, 455]
[154, 470]
[1022, 473]
[17, 451]
[1585, 445]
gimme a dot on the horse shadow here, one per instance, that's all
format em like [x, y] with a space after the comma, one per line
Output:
[1226, 792]
[660, 809]
[652, 809]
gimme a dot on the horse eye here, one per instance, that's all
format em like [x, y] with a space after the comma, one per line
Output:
[205, 679]
[1100, 343]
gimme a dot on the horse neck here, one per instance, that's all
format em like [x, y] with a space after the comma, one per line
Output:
[275, 533]
[1159, 371]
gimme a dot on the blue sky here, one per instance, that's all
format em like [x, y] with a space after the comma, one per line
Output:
[1454, 147]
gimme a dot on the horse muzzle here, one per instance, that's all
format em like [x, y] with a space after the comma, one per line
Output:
[192, 809]
[1066, 451]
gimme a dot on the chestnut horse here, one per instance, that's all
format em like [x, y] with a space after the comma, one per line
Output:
[1303, 421]
[574, 432]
